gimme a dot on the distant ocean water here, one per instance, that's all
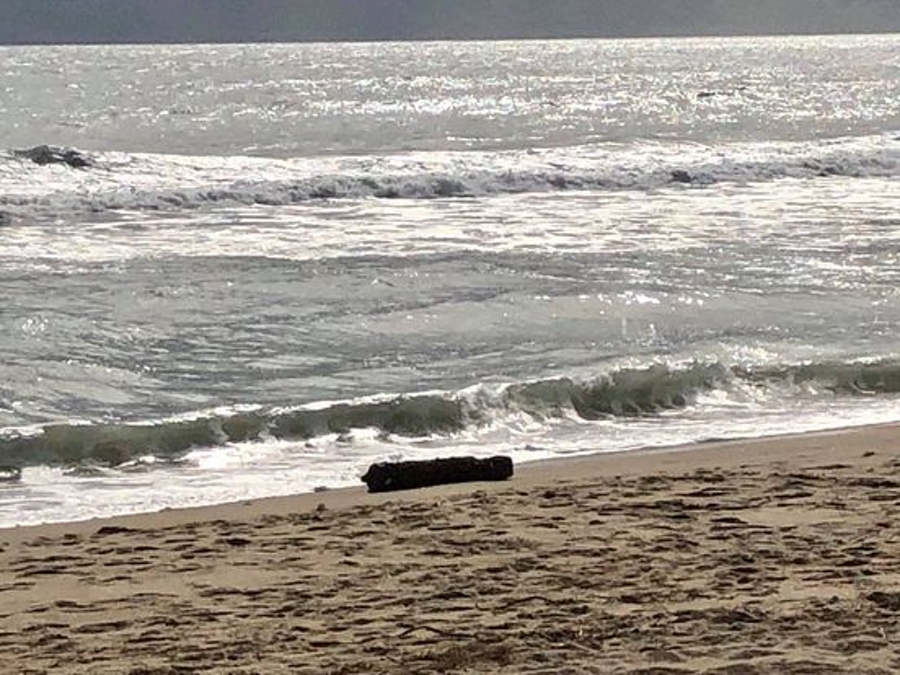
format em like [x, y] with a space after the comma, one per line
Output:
[288, 261]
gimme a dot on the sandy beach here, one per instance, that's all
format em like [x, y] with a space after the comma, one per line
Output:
[764, 556]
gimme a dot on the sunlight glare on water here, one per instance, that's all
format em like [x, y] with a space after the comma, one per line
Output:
[580, 245]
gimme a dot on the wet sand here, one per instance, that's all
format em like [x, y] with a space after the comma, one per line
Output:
[765, 556]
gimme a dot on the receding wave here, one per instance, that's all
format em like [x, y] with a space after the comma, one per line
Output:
[117, 181]
[625, 392]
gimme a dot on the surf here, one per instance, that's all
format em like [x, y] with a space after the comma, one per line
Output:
[110, 182]
[640, 392]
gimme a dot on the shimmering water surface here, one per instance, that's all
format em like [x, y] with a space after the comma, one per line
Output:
[288, 261]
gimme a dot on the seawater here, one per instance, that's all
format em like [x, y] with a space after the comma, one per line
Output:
[286, 262]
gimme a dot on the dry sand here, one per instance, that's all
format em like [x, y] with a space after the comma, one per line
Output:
[773, 556]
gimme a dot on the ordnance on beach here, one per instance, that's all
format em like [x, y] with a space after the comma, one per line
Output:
[389, 476]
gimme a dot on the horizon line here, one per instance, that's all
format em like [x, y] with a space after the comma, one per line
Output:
[404, 40]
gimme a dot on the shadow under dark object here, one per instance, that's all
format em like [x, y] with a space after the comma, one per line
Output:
[390, 476]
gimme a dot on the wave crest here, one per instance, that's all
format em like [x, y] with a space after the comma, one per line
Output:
[624, 392]
[118, 181]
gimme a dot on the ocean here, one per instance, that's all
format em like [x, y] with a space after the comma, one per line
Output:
[282, 263]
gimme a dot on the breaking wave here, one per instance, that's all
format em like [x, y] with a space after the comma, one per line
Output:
[624, 392]
[118, 181]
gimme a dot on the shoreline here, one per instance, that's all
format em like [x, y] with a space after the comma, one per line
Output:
[699, 454]
[775, 555]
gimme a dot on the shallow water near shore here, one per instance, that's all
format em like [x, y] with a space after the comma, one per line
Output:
[285, 262]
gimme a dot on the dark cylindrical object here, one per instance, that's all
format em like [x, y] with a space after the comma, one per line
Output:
[388, 476]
